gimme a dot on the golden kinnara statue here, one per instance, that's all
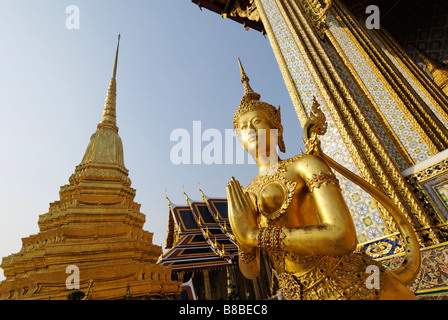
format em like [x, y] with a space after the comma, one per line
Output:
[294, 210]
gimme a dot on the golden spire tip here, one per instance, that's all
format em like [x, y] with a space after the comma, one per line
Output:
[116, 58]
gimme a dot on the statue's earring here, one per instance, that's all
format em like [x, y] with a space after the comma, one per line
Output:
[281, 143]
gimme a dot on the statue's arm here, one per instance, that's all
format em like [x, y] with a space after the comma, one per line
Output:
[249, 262]
[336, 233]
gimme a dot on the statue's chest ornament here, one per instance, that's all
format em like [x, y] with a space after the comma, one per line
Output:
[274, 193]
[274, 196]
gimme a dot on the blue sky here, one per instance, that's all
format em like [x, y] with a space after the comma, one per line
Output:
[177, 64]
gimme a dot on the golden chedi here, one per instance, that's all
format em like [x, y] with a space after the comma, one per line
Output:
[294, 211]
[96, 227]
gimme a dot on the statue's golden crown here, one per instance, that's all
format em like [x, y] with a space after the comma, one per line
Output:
[251, 101]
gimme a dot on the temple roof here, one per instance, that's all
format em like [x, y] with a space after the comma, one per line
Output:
[411, 23]
[199, 235]
[226, 8]
[223, 7]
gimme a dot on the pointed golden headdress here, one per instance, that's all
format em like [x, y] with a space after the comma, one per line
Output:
[251, 101]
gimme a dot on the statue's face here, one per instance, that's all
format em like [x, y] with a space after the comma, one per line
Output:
[258, 135]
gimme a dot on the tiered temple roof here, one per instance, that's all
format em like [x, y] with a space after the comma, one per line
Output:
[199, 235]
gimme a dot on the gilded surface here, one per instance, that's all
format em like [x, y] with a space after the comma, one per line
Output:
[438, 70]
[304, 55]
[422, 118]
[317, 13]
[244, 9]
[431, 183]
[333, 278]
[95, 225]
[433, 275]
[311, 244]
[387, 106]
[416, 77]
[302, 88]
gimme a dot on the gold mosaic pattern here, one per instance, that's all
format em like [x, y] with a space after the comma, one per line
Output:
[433, 274]
[412, 82]
[368, 221]
[332, 278]
[365, 149]
[422, 120]
[430, 129]
[403, 128]
[385, 137]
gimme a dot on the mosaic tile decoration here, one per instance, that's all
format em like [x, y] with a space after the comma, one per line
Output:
[434, 181]
[433, 274]
[425, 28]
[403, 129]
[388, 246]
[437, 189]
[374, 122]
[366, 217]
[413, 84]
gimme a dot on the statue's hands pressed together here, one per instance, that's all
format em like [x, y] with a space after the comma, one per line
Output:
[243, 219]
[242, 215]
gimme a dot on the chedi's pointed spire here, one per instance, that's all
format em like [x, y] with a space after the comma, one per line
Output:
[116, 58]
[105, 144]
[109, 118]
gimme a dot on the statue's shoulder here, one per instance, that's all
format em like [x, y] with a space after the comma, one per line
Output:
[304, 158]
[306, 164]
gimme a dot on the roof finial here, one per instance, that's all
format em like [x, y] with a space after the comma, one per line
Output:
[186, 196]
[202, 194]
[169, 201]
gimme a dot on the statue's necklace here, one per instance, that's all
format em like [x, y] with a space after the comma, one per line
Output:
[274, 193]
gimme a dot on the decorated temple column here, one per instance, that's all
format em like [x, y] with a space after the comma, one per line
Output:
[382, 118]
[208, 293]
[229, 281]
